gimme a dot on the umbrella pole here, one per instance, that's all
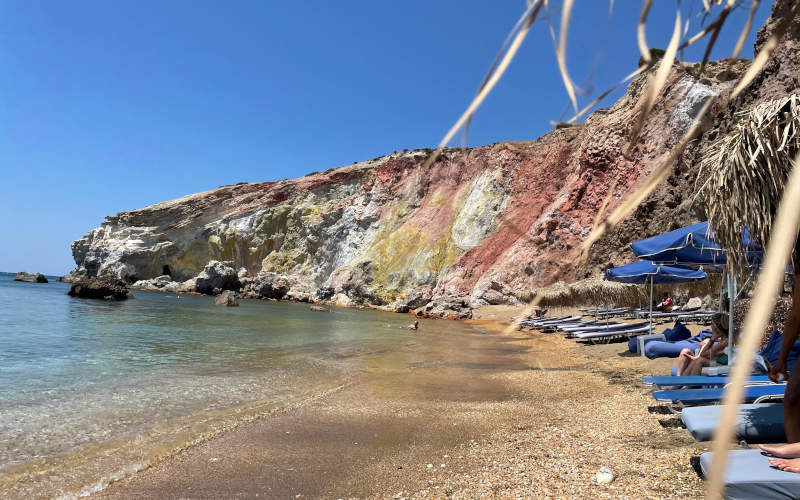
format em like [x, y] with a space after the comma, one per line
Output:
[722, 290]
[731, 299]
[650, 321]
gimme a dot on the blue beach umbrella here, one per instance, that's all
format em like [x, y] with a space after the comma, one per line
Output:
[643, 271]
[695, 246]
[692, 246]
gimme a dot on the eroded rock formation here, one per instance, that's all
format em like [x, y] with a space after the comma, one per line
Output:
[478, 226]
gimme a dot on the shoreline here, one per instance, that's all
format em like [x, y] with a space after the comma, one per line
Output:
[539, 415]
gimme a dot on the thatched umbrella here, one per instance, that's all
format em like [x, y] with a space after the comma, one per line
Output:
[742, 175]
[595, 290]
[556, 295]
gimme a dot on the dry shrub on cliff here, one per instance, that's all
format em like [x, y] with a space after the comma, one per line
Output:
[742, 175]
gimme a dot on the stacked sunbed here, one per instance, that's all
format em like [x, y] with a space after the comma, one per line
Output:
[760, 420]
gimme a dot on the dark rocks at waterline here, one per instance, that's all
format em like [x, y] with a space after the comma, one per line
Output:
[217, 275]
[30, 278]
[226, 299]
[103, 287]
[268, 286]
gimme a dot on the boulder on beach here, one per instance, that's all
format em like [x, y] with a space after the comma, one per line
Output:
[103, 287]
[226, 299]
[217, 275]
[30, 278]
[268, 286]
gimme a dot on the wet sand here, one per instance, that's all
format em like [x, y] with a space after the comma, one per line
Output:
[525, 414]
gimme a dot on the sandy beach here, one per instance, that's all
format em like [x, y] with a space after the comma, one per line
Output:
[519, 415]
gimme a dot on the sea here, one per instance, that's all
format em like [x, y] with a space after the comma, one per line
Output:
[92, 391]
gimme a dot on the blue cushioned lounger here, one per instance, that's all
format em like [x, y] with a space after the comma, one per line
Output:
[697, 380]
[705, 396]
[749, 475]
[761, 423]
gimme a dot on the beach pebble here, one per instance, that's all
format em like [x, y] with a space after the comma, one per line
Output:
[605, 475]
[430, 466]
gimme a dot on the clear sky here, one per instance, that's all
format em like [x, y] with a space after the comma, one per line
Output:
[110, 106]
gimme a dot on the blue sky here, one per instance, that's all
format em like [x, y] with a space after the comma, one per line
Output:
[111, 106]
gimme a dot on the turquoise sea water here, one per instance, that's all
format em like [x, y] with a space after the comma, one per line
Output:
[91, 390]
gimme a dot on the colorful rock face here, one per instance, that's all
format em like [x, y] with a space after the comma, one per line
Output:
[478, 226]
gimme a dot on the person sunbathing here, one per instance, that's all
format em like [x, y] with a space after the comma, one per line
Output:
[413, 326]
[666, 304]
[692, 362]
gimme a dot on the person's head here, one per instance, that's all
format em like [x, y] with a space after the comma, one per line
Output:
[666, 295]
[719, 325]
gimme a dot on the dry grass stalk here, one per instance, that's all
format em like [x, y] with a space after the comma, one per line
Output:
[720, 21]
[766, 50]
[656, 177]
[602, 96]
[746, 29]
[561, 53]
[530, 16]
[779, 249]
[640, 32]
[744, 174]
[656, 83]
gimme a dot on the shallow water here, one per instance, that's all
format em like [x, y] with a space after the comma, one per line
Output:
[92, 389]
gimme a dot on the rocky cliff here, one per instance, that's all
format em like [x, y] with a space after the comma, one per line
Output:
[478, 226]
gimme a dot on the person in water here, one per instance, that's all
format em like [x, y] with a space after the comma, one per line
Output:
[414, 326]
[666, 304]
[692, 362]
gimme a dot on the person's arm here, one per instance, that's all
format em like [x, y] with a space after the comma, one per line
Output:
[704, 345]
[719, 347]
[791, 329]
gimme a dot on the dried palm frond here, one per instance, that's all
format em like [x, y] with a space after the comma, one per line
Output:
[742, 175]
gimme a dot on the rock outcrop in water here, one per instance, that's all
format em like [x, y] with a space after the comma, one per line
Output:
[103, 287]
[30, 277]
[478, 226]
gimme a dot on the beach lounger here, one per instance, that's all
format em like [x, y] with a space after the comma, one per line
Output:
[698, 380]
[714, 395]
[757, 423]
[562, 321]
[585, 327]
[750, 475]
[607, 335]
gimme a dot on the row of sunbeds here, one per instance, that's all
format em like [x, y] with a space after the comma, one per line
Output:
[694, 315]
[591, 330]
[749, 473]
[697, 399]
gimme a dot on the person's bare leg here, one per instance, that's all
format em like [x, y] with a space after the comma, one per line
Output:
[696, 365]
[684, 358]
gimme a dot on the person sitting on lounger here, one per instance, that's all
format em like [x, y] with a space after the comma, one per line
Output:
[692, 363]
[666, 304]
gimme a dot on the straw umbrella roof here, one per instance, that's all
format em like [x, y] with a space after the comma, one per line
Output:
[742, 175]
[596, 290]
[558, 294]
